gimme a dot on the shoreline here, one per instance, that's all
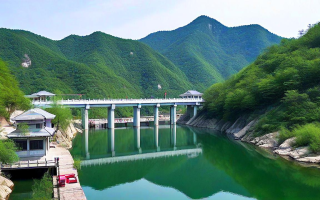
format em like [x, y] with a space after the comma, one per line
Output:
[241, 130]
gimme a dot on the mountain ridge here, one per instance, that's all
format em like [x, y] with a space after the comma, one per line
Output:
[206, 48]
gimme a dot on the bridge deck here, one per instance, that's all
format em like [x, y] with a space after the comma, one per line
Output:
[122, 102]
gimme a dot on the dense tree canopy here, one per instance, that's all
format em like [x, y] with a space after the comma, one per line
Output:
[284, 81]
[209, 52]
[11, 97]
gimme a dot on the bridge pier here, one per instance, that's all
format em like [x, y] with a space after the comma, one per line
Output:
[192, 112]
[111, 116]
[136, 116]
[156, 114]
[86, 117]
[173, 114]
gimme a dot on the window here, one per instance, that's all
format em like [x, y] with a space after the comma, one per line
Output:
[38, 125]
[36, 144]
[21, 144]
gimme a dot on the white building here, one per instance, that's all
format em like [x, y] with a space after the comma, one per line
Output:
[36, 141]
[191, 94]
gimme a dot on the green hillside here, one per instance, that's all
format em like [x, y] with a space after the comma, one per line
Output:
[98, 65]
[208, 52]
[11, 97]
[283, 83]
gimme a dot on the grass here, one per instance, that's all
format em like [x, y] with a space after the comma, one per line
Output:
[77, 164]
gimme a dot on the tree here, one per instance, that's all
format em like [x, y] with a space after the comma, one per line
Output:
[63, 114]
[7, 151]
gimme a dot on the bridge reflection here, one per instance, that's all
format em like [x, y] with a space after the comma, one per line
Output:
[139, 143]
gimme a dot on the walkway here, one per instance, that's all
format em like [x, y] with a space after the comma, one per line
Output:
[71, 191]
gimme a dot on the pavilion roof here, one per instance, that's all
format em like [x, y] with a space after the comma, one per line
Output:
[34, 114]
[191, 93]
[43, 93]
[44, 132]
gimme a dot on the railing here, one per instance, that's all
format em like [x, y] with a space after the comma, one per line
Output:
[29, 164]
[124, 100]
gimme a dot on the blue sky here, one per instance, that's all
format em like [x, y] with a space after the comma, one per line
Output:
[135, 19]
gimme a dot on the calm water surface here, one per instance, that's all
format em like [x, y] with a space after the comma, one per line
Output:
[185, 164]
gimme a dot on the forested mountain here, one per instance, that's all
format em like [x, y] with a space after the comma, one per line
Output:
[209, 52]
[283, 82]
[98, 65]
[11, 97]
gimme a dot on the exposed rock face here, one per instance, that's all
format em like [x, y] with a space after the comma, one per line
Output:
[240, 129]
[6, 186]
[286, 149]
[219, 125]
[315, 159]
[26, 61]
[267, 141]
[243, 131]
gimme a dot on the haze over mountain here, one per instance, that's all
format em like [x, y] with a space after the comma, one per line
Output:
[209, 52]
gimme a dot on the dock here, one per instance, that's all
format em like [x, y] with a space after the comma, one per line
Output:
[72, 191]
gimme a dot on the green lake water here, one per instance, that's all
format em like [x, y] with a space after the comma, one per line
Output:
[185, 164]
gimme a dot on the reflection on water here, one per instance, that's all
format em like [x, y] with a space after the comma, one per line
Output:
[146, 164]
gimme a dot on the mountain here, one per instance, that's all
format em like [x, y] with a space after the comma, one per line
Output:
[97, 65]
[280, 88]
[208, 52]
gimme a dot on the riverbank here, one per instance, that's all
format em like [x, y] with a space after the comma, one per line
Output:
[242, 129]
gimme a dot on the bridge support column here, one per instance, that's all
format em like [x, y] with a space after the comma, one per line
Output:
[195, 110]
[156, 114]
[86, 117]
[173, 114]
[111, 116]
[136, 116]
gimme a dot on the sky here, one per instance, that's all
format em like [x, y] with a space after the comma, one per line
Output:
[135, 19]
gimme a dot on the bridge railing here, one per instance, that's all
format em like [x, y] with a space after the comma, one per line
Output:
[124, 100]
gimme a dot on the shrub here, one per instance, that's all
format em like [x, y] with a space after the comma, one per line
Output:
[7, 151]
[43, 189]
[284, 134]
[77, 164]
[308, 134]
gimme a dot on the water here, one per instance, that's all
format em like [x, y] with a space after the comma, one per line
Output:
[185, 164]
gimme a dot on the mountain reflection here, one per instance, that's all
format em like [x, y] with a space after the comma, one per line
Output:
[208, 163]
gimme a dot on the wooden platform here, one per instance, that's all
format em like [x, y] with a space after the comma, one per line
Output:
[72, 191]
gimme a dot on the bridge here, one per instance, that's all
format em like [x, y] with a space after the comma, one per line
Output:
[191, 103]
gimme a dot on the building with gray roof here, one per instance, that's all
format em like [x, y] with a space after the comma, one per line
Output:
[191, 94]
[35, 140]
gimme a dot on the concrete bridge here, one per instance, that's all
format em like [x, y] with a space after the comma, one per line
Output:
[191, 103]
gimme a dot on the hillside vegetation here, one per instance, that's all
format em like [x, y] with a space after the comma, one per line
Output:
[11, 97]
[209, 52]
[283, 82]
[98, 65]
